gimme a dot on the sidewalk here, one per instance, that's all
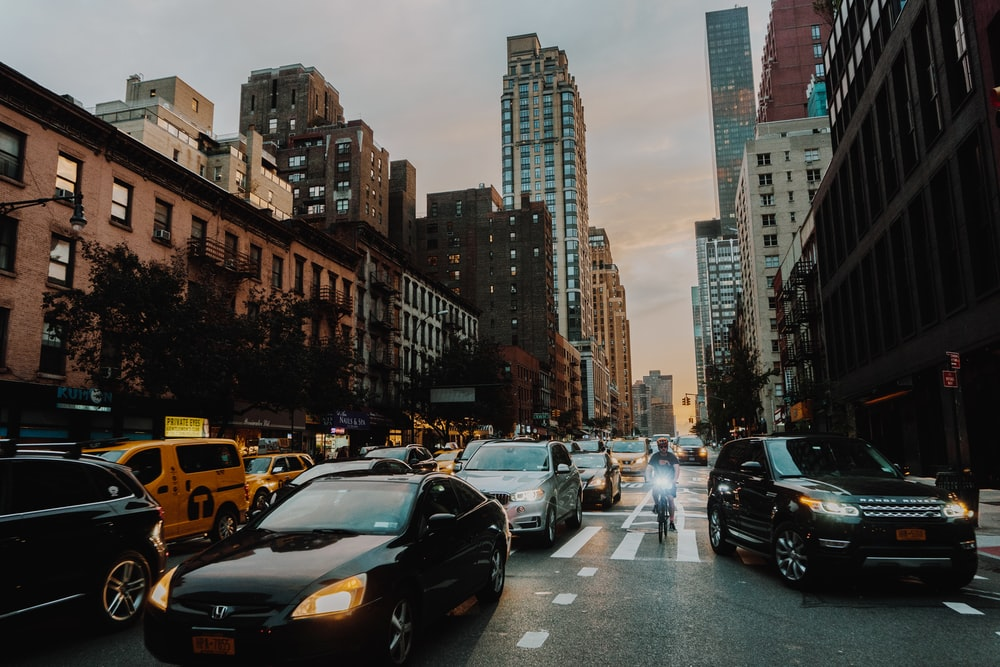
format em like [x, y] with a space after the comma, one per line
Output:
[988, 513]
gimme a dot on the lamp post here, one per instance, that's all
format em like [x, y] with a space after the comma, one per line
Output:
[77, 220]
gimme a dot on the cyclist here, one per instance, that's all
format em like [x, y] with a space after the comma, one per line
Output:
[665, 462]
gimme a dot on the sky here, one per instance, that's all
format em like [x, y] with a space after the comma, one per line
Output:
[426, 76]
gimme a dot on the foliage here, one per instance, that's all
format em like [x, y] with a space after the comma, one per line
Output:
[827, 9]
[734, 391]
[463, 364]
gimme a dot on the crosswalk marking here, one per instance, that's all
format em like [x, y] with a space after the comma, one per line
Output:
[569, 549]
[687, 548]
[963, 608]
[564, 598]
[533, 639]
[628, 548]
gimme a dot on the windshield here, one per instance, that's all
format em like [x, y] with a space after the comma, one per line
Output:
[817, 457]
[510, 457]
[112, 455]
[628, 446]
[372, 508]
[589, 460]
[257, 465]
[447, 456]
[388, 453]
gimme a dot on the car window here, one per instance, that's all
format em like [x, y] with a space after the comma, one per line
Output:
[439, 498]
[147, 464]
[588, 460]
[295, 463]
[560, 455]
[628, 446]
[41, 485]
[812, 457]
[510, 458]
[257, 465]
[388, 452]
[333, 504]
[468, 497]
[207, 456]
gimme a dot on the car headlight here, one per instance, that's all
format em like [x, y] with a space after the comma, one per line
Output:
[596, 483]
[342, 596]
[161, 591]
[527, 496]
[641, 461]
[955, 510]
[831, 507]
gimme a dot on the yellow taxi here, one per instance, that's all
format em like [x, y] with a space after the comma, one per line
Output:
[266, 473]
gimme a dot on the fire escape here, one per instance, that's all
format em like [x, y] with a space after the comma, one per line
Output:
[798, 330]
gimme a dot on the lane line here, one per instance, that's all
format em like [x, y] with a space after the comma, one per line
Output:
[533, 639]
[629, 547]
[582, 536]
[963, 608]
[564, 598]
[587, 572]
[687, 547]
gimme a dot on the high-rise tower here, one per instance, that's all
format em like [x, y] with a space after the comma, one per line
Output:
[545, 156]
[730, 74]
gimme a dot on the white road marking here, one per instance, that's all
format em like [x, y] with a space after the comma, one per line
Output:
[687, 548]
[587, 572]
[564, 598]
[533, 639]
[569, 549]
[628, 547]
[963, 608]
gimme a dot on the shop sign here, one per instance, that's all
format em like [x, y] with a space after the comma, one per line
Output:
[347, 419]
[75, 398]
[185, 427]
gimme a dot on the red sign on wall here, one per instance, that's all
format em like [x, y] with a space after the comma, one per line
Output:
[955, 360]
[949, 379]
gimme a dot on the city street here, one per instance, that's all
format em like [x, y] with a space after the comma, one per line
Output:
[610, 594]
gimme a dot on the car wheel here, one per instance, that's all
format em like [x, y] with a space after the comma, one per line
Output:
[576, 520]
[609, 499]
[225, 524]
[399, 632]
[718, 534]
[122, 591]
[498, 575]
[791, 556]
[549, 530]
[260, 500]
[618, 493]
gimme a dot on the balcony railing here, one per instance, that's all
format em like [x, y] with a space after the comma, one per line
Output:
[340, 300]
[217, 254]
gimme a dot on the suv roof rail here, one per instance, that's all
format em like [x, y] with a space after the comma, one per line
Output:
[69, 450]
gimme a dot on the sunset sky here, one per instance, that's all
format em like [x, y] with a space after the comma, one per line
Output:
[426, 76]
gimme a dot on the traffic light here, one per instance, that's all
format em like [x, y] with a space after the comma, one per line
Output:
[686, 400]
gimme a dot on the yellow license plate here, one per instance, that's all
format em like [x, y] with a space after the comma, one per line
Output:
[911, 534]
[212, 645]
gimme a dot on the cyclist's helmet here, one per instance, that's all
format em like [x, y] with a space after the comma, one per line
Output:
[662, 442]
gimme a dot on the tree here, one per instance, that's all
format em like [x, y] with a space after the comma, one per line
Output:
[827, 9]
[464, 364]
[735, 389]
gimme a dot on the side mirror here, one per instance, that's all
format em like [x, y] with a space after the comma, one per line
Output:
[562, 467]
[754, 468]
[440, 521]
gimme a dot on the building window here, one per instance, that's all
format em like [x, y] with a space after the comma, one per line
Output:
[67, 176]
[300, 275]
[767, 199]
[61, 260]
[768, 220]
[815, 32]
[256, 259]
[162, 212]
[820, 70]
[121, 203]
[272, 125]
[4, 332]
[813, 175]
[458, 209]
[53, 354]
[277, 272]
[817, 51]
[513, 254]
[342, 205]
[811, 154]
[344, 148]
[770, 240]
[763, 159]
[296, 161]
[11, 153]
[513, 271]
[343, 166]
[8, 244]
[771, 262]
[764, 179]
[454, 259]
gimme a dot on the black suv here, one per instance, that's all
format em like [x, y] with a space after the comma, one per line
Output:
[74, 527]
[814, 502]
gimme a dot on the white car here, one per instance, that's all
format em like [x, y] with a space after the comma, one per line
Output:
[536, 482]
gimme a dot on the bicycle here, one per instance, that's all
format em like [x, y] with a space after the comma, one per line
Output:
[662, 502]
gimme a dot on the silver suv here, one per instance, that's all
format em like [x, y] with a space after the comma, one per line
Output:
[536, 482]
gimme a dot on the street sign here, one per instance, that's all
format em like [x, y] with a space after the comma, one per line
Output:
[949, 379]
[955, 360]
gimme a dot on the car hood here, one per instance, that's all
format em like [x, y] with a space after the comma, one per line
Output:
[261, 567]
[587, 474]
[866, 487]
[493, 481]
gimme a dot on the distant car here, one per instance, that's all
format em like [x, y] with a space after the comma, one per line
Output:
[445, 459]
[601, 477]
[345, 568]
[266, 473]
[466, 454]
[417, 457]
[590, 445]
[633, 456]
[76, 529]
[691, 449]
[536, 482]
[816, 503]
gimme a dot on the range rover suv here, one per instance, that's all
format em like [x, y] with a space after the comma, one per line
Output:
[819, 502]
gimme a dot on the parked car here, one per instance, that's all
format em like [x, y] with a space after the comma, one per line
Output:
[445, 459]
[536, 482]
[691, 449]
[601, 477]
[632, 455]
[344, 567]
[416, 456]
[816, 503]
[343, 467]
[199, 482]
[266, 473]
[76, 529]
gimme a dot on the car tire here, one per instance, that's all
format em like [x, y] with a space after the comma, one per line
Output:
[791, 556]
[400, 631]
[260, 500]
[121, 591]
[718, 534]
[575, 520]
[225, 524]
[493, 589]
[548, 537]
[608, 500]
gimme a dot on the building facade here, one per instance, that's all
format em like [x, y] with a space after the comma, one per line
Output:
[611, 328]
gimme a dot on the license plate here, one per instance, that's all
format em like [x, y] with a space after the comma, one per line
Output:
[213, 645]
[911, 534]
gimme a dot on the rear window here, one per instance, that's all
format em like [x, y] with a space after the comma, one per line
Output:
[207, 456]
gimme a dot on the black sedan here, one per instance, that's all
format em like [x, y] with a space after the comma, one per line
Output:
[343, 467]
[601, 476]
[345, 565]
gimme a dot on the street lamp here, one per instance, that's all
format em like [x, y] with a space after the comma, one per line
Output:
[77, 220]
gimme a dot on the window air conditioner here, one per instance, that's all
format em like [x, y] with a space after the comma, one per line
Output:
[162, 234]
